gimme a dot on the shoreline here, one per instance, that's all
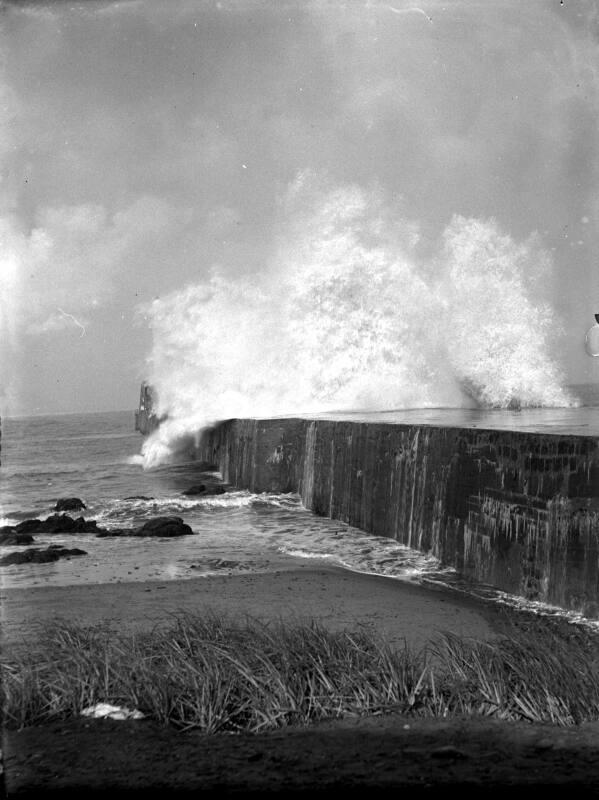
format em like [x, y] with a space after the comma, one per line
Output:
[338, 598]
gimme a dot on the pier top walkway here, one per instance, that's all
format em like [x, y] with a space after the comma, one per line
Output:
[583, 421]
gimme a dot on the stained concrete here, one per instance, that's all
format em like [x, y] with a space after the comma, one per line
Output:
[518, 509]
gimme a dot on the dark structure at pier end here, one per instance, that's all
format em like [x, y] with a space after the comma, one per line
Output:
[514, 509]
[146, 419]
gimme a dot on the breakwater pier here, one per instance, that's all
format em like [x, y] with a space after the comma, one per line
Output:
[514, 508]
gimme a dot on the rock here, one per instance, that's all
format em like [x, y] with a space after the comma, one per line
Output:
[69, 504]
[33, 556]
[164, 526]
[139, 497]
[29, 525]
[205, 489]
[36, 555]
[85, 526]
[9, 538]
[159, 526]
[74, 551]
[57, 523]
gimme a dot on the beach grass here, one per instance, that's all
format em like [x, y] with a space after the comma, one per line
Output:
[216, 675]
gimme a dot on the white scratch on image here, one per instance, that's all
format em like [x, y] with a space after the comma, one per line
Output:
[409, 10]
[70, 316]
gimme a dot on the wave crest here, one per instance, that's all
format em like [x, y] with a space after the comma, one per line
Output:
[356, 311]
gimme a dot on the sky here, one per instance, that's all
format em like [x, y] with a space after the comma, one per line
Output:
[145, 143]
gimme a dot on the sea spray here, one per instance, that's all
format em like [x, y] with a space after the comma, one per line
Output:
[349, 314]
[500, 330]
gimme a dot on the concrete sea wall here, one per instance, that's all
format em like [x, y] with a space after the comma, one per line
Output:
[513, 509]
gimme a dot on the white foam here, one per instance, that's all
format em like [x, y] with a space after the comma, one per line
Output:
[299, 553]
[348, 314]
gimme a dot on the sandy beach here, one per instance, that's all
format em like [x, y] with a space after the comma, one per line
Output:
[397, 610]
[387, 752]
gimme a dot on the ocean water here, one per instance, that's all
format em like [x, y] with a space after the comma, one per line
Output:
[96, 457]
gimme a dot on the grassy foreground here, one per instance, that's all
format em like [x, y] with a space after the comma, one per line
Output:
[215, 675]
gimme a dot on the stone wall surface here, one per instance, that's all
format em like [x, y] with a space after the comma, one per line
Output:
[513, 509]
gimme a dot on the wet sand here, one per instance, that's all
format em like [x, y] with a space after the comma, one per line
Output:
[397, 610]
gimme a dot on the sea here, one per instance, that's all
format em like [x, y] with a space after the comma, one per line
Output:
[95, 457]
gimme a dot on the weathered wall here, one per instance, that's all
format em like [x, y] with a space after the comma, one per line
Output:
[513, 509]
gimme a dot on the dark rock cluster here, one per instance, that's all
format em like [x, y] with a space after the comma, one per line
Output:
[11, 535]
[62, 523]
[37, 555]
[158, 526]
[21, 533]
[55, 523]
[69, 504]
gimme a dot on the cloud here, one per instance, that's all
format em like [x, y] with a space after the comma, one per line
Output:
[75, 266]
[494, 98]
[77, 257]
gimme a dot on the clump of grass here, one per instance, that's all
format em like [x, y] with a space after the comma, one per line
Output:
[538, 676]
[213, 674]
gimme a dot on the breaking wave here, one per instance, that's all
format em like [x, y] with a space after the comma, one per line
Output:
[356, 309]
